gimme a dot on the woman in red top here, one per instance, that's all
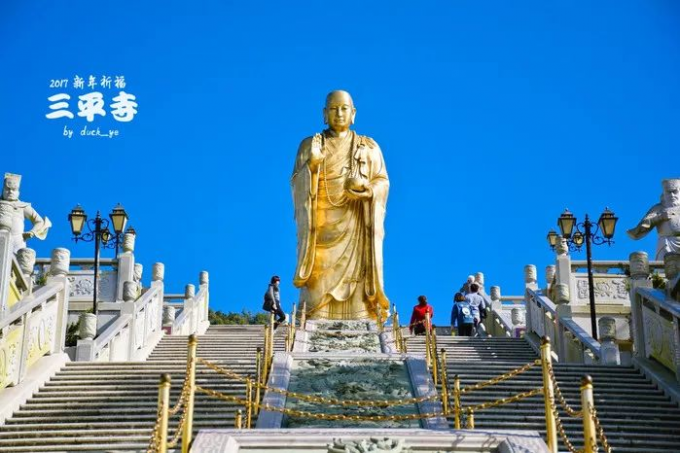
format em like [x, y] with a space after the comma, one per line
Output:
[417, 324]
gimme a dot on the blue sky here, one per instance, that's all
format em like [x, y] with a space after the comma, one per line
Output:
[493, 117]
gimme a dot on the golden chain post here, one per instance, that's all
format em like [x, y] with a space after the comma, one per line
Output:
[404, 349]
[265, 353]
[271, 341]
[588, 404]
[163, 406]
[445, 386]
[249, 403]
[258, 375]
[470, 423]
[428, 349]
[435, 356]
[239, 419]
[548, 395]
[189, 405]
[456, 401]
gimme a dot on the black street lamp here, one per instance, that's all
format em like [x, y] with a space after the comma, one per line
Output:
[587, 232]
[99, 233]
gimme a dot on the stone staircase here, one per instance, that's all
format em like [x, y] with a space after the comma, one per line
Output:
[112, 406]
[636, 415]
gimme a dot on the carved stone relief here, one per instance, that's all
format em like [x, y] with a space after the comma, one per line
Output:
[658, 335]
[82, 286]
[606, 289]
[374, 444]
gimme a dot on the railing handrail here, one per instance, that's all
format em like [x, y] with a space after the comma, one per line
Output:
[657, 297]
[30, 302]
[584, 337]
[173, 296]
[201, 294]
[512, 299]
[107, 335]
[19, 274]
[146, 298]
[80, 261]
[548, 304]
[612, 264]
[504, 324]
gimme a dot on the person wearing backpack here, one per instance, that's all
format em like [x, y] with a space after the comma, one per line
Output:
[479, 309]
[461, 316]
[272, 301]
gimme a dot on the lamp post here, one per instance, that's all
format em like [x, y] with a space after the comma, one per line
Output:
[99, 233]
[589, 233]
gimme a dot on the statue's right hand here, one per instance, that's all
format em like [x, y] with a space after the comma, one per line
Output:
[316, 153]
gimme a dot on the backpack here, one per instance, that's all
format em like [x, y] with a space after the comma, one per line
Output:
[465, 311]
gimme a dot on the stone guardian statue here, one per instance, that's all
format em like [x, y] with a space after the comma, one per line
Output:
[340, 188]
[20, 211]
[665, 217]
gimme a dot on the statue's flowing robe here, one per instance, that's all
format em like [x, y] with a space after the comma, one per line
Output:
[668, 230]
[339, 263]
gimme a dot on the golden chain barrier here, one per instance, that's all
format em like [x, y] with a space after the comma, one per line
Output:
[318, 399]
[508, 400]
[501, 378]
[158, 441]
[561, 431]
[558, 394]
[600, 431]
[320, 416]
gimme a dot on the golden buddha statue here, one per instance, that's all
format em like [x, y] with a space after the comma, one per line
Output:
[340, 188]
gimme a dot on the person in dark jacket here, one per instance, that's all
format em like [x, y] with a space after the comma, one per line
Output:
[272, 301]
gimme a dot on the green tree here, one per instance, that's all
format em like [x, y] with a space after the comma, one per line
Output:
[245, 317]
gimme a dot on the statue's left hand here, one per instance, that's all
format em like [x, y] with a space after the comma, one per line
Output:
[28, 235]
[359, 189]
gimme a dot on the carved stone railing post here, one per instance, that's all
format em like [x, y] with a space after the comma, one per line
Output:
[60, 260]
[563, 264]
[204, 281]
[5, 255]
[529, 284]
[190, 306]
[59, 265]
[26, 260]
[561, 297]
[168, 315]
[496, 306]
[639, 278]
[671, 263]
[609, 350]
[550, 275]
[157, 276]
[126, 263]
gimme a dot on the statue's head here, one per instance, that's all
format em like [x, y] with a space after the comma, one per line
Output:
[671, 192]
[10, 188]
[339, 111]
